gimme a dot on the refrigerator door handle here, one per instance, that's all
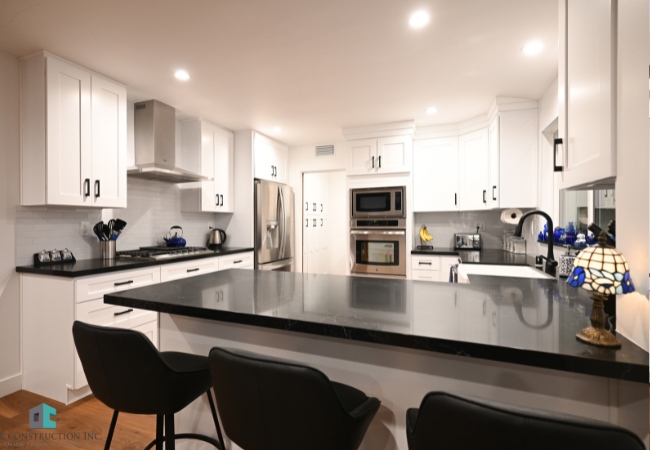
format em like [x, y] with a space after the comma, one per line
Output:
[284, 222]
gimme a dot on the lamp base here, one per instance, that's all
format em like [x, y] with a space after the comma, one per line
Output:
[598, 336]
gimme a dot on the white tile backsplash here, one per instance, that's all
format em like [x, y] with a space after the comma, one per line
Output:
[152, 208]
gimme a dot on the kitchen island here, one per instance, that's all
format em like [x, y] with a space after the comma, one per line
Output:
[505, 339]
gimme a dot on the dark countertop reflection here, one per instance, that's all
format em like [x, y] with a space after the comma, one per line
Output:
[532, 322]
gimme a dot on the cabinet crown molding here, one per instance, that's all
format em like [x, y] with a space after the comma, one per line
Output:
[406, 127]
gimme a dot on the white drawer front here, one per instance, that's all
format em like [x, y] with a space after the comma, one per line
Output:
[236, 261]
[169, 272]
[91, 288]
[425, 275]
[425, 262]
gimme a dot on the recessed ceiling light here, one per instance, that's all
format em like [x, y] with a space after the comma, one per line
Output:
[277, 129]
[419, 19]
[432, 110]
[533, 48]
[182, 75]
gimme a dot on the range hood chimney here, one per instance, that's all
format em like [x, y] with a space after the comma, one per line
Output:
[155, 144]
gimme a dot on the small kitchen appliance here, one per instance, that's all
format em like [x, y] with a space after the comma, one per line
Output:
[216, 238]
[173, 238]
[376, 203]
[467, 241]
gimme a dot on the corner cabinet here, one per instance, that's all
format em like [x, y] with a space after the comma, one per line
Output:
[435, 175]
[271, 159]
[380, 156]
[73, 135]
[587, 86]
[215, 146]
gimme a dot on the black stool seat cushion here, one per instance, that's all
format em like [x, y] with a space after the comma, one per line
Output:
[127, 373]
[272, 404]
[447, 421]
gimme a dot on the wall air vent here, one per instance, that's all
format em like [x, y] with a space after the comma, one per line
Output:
[324, 150]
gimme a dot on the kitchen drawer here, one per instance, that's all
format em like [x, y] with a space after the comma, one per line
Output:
[236, 261]
[169, 272]
[419, 262]
[94, 287]
[150, 329]
[425, 275]
[97, 312]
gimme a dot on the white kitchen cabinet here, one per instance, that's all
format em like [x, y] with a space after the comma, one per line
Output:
[513, 159]
[271, 159]
[438, 313]
[477, 317]
[435, 175]
[186, 269]
[432, 267]
[380, 156]
[73, 135]
[51, 304]
[237, 261]
[315, 207]
[587, 86]
[215, 146]
[474, 170]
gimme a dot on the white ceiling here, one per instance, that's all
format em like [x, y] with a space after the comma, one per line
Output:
[311, 67]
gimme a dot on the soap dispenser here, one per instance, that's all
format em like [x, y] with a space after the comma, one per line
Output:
[566, 262]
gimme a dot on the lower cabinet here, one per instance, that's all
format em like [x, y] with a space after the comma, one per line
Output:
[51, 304]
[432, 267]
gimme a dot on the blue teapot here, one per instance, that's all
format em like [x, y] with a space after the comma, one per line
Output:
[173, 239]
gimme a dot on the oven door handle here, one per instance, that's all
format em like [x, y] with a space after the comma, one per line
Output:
[384, 232]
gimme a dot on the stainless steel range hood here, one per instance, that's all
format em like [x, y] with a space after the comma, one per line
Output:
[155, 145]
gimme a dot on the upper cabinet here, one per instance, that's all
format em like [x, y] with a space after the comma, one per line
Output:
[271, 159]
[215, 146]
[73, 135]
[479, 164]
[382, 155]
[587, 101]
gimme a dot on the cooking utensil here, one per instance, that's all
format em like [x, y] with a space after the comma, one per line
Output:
[173, 239]
[216, 238]
[98, 229]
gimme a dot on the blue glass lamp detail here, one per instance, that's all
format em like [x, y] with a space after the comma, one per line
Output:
[604, 271]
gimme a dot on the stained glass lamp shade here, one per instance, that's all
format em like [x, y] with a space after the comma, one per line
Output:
[602, 270]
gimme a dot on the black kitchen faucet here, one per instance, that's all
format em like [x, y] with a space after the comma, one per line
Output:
[551, 263]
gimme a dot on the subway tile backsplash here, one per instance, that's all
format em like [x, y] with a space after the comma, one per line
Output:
[153, 207]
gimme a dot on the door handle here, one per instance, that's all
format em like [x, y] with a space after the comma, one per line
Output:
[221, 195]
[379, 160]
[493, 196]
[484, 192]
[373, 162]
[306, 206]
[216, 199]
[456, 199]
[306, 223]
[321, 207]
[193, 270]
[97, 189]
[556, 168]
[314, 222]
[126, 311]
[321, 222]
[122, 283]
[87, 187]
[313, 208]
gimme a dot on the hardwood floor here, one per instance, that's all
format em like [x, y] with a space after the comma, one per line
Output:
[83, 424]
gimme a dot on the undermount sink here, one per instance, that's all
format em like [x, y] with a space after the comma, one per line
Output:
[500, 271]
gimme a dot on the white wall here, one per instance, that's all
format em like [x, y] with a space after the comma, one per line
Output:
[10, 365]
[632, 186]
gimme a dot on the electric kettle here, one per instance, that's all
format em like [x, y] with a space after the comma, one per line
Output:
[216, 238]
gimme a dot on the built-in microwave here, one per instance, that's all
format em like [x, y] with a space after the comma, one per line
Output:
[383, 202]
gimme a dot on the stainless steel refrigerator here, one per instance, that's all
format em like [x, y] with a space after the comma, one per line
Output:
[274, 226]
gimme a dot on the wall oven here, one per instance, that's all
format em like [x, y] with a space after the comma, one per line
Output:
[378, 247]
[378, 203]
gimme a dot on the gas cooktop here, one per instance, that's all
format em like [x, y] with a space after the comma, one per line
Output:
[163, 252]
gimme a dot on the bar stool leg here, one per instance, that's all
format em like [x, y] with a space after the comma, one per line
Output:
[160, 435]
[111, 429]
[170, 437]
[216, 420]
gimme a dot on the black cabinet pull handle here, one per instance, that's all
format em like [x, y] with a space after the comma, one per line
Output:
[313, 207]
[321, 206]
[314, 222]
[373, 162]
[379, 161]
[97, 189]
[321, 222]
[193, 270]
[216, 199]
[221, 195]
[484, 192]
[456, 199]
[306, 206]
[306, 223]
[272, 171]
[556, 168]
[424, 263]
[122, 283]
[238, 261]
[87, 187]
[494, 197]
[123, 312]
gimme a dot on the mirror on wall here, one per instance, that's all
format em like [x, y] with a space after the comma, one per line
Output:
[586, 207]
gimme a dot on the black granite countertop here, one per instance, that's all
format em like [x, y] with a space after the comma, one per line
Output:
[85, 267]
[532, 322]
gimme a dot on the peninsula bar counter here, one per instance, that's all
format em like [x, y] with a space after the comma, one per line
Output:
[505, 339]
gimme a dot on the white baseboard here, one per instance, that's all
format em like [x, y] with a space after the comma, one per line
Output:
[10, 385]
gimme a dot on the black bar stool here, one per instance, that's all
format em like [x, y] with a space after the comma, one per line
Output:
[272, 404]
[128, 374]
[449, 422]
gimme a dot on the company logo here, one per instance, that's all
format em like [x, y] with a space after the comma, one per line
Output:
[41, 416]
